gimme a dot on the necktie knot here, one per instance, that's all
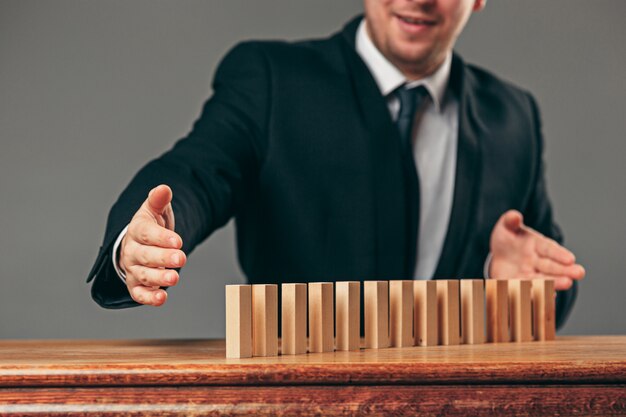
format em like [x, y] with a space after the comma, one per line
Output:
[410, 99]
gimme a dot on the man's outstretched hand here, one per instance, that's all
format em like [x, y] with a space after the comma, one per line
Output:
[150, 247]
[519, 252]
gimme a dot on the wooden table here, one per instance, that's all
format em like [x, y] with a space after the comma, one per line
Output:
[569, 376]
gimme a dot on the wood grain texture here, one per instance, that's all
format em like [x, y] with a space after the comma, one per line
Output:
[486, 400]
[265, 320]
[473, 311]
[448, 312]
[293, 323]
[497, 299]
[238, 321]
[348, 315]
[544, 309]
[568, 359]
[521, 310]
[401, 313]
[568, 376]
[425, 313]
[321, 317]
[376, 312]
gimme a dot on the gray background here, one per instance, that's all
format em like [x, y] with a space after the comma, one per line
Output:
[90, 90]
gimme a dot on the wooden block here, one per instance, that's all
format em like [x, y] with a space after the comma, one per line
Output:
[293, 314]
[376, 311]
[425, 313]
[238, 321]
[473, 311]
[544, 313]
[348, 315]
[449, 331]
[520, 310]
[321, 331]
[401, 313]
[265, 320]
[497, 310]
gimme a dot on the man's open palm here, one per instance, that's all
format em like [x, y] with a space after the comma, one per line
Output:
[520, 252]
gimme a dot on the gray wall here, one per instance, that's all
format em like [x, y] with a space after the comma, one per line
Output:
[89, 90]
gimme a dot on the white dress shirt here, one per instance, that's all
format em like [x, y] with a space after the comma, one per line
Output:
[434, 151]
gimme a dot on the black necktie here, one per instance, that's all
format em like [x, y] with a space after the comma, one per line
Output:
[411, 100]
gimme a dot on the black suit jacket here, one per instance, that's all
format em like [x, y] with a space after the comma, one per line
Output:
[298, 145]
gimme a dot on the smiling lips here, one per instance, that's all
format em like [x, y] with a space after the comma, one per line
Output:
[415, 24]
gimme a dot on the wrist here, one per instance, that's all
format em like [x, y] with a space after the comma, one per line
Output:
[487, 266]
[115, 256]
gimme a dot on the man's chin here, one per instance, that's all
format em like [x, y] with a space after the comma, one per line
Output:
[413, 56]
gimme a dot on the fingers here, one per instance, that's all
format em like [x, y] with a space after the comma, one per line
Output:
[146, 232]
[548, 248]
[550, 267]
[148, 296]
[158, 199]
[152, 256]
[562, 274]
[513, 220]
[151, 277]
[146, 271]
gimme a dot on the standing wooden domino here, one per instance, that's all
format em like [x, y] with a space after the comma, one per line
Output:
[473, 311]
[348, 315]
[544, 305]
[293, 314]
[264, 320]
[520, 310]
[401, 313]
[321, 331]
[376, 312]
[238, 321]
[497, 311]
[449, 331]
[425, 312]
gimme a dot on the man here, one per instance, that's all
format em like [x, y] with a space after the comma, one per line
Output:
[374, 154]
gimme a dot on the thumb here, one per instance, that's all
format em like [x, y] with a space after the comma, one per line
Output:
[158, 199]
[513, 220]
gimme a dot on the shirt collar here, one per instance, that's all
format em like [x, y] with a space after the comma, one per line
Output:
[388, 77]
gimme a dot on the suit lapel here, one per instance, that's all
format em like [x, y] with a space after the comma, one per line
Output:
[387, 176]
[467, 177]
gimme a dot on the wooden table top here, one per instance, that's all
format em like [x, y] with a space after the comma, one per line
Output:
[569, 359]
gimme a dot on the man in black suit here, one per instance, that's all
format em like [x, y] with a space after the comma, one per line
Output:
[374, 154]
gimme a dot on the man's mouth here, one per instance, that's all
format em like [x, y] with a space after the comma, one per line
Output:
[417, 20]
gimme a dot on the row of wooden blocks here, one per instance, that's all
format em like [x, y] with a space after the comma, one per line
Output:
[396, 313]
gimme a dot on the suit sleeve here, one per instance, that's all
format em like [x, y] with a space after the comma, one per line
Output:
[210, 171]
[538, 215]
